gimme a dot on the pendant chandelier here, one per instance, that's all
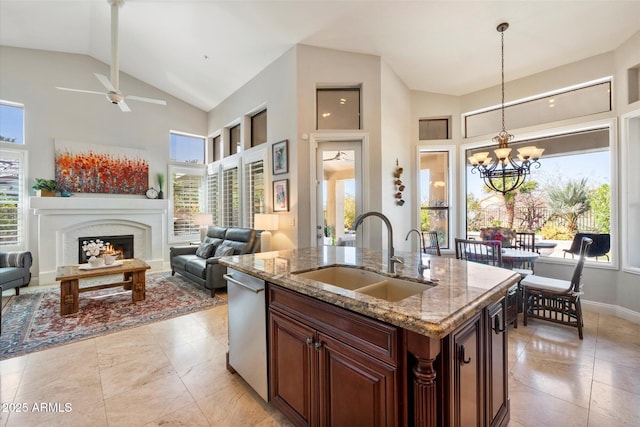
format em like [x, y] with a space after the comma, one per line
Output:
[504, 173]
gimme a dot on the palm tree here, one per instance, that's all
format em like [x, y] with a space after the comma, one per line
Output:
[511, 197]
[569, 202]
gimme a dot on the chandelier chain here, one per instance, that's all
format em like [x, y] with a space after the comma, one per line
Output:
[502, 74]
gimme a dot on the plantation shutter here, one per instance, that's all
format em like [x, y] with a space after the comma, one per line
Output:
[231, 198]
[213, 195]
[187, 202]
[254, 190]
[11, 200]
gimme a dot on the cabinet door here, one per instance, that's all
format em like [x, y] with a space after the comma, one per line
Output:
[467, 381]
[292, 375]
[355, 389]
[497, 375]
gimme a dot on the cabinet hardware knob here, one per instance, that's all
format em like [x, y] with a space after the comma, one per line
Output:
[463, 357]
[318, 345]
[309, 340]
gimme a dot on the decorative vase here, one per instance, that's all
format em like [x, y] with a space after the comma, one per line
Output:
[95, 262]
[160, 195]
[109, 258]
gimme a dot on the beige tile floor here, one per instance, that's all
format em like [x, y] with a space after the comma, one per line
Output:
[172, 373]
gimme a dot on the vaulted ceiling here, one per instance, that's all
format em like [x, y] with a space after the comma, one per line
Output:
[202, 51]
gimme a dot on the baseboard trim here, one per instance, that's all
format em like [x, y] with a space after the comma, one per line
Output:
[613, 310]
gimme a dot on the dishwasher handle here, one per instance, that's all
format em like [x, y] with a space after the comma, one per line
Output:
[230, 278]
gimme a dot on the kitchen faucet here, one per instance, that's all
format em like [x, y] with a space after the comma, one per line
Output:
[392, 258]
[421, 266]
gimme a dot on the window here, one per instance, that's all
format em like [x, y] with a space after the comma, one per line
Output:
[259, 128]
[188, 195]
[435, 193]
[11, 122]
[12, 183]
[430, 129]
[216, 148]
[230, 196]
[235, 143]
[187, 148]
[338, 108]
[631, 194]
[569, 193]
[577, 101]
[254, 189]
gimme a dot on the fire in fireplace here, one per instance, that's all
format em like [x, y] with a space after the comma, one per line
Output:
[121, 245]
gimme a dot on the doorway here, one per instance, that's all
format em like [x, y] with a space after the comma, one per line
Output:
[339, 194]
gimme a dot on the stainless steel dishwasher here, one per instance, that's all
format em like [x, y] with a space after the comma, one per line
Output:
[248, 329]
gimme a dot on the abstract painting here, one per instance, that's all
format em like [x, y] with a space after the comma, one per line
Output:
[91, 168]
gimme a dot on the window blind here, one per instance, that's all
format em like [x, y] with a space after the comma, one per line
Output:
[213, 193]
[187, 201]
[11, 200]
[254, 190]
[230, 198]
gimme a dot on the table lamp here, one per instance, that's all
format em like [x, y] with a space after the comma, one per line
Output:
[265, 222]
[203, 220]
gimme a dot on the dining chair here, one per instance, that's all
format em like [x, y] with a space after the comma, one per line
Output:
[430, 244]
[482, 251]
[556, 300]
[525, 241]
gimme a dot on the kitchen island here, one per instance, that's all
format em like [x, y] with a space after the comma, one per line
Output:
[337, 355]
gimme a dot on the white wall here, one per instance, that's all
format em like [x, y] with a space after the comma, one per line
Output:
[30, 77]
[395, 112]
[274, 88]
[318, 66]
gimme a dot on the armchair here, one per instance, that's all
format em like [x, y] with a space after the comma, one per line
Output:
[15, 270]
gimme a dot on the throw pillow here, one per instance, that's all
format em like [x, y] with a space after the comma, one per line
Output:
[204, 250]
[223, 251]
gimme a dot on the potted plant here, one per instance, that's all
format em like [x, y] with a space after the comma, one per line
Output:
[45, 187]
[161, 185]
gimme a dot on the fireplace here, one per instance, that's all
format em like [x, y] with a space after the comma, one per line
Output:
[122, 245]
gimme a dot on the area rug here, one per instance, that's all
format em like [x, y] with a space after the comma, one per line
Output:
[32, 322]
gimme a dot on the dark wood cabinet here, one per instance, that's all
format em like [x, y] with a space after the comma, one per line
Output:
[329, 366]
[467, 365]
[477, 368]
[496, 373]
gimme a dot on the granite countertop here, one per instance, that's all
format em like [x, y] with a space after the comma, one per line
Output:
[461, 289]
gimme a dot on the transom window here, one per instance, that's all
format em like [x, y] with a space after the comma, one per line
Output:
[187, 148]
[11, 122]
[338, 108]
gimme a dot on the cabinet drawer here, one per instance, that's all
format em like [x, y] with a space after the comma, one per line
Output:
[368, 335]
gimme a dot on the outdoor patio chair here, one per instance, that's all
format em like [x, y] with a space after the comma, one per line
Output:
[600, 247]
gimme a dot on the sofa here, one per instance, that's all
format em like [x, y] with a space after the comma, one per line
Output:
[15, 270]
[200, 263]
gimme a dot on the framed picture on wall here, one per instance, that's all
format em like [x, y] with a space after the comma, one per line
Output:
[280, 151]
[281, 195]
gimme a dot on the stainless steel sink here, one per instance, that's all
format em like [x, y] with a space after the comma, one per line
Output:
[366, 282]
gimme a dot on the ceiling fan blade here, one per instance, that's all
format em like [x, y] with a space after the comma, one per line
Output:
[105, 82]
[149, 100]
[124, 107]
[81, 90]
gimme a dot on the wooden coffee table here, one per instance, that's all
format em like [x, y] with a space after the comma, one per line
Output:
[70, 275]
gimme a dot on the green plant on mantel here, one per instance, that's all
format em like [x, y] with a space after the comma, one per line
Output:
[45, 187]
[45, 184]
[161, 181]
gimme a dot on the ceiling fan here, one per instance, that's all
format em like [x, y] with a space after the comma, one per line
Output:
[113, 93]
[340, 156]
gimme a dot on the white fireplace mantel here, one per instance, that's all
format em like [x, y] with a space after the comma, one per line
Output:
[61, 220]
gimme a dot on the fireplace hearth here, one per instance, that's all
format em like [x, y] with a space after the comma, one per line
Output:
[121, 245]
